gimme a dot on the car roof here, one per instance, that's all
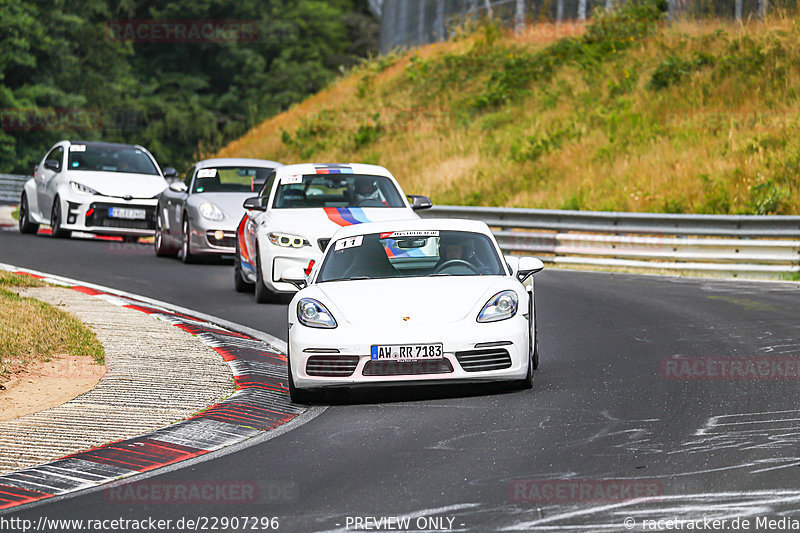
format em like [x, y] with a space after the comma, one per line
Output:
[106, 144]
[333, 168]
[237, 161]
[451, 224]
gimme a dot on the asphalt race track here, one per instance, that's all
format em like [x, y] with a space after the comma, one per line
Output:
[612, 409]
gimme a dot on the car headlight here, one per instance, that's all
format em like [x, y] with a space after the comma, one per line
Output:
[314, 315]
[82, 189]
[501, 306]
[211, 211]
[287, 241]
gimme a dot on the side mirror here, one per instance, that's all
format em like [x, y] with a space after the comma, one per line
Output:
[178, 186]
[255, 204]
[295, 275]
[513, 263]
[419, 202]
[52, 164]
[528, 266]
[170, 173]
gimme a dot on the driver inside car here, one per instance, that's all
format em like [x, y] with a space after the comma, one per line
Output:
[459, 250]
[365, 189]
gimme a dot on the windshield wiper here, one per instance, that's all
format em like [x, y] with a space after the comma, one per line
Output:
[354, 278]
[440, 274]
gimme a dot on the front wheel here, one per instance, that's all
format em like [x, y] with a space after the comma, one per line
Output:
[533, 351]
[25, 224]
[186, 242]
[239, 281]
[161, 248]
[298, 395]
[56, 221]
[263, 294]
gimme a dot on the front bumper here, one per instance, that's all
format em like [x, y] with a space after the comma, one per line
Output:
[345, 352]
[94, 215]
[206, 237]
[279, 258]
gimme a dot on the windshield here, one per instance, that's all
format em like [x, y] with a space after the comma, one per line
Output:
[336, 190]
[230, 179]
[411, 254]
[110, 158]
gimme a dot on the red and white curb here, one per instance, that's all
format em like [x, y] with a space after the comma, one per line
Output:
[260, 404]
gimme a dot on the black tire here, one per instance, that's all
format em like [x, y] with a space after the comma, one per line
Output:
[263, 294]
[239, 281]
[159, 243]
[186, 242]
[297, 395]
[55, 221]
[533, 351]
[25, 224]
[527, 382]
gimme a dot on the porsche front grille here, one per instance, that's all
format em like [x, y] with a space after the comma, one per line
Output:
[395, 368]
[227, 241]
[331, 365]
[483, 360]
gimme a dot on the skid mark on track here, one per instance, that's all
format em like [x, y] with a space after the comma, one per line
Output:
[715, 506]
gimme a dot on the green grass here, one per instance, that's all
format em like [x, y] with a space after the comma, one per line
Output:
[627, 113]
[31, 330]
[15, 214]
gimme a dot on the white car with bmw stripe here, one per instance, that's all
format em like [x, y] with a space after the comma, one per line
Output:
[101, 188]
[402, 302]
[298, 210]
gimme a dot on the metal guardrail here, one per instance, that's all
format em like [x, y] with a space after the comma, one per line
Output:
[730, 245]
[11, 187]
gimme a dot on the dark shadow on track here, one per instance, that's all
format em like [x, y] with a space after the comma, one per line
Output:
[413, 393]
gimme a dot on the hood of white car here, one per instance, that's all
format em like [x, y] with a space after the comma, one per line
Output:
[120, 184]
[431, 300]
[229, 202]
[320, 223]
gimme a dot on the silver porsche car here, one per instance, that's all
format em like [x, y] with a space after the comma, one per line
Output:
[199, 215]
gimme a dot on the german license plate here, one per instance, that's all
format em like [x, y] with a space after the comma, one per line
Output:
[407, 352]
[125, 212]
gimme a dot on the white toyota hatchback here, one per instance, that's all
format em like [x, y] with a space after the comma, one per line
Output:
[101, 188]
[298, 210]
[402, 302]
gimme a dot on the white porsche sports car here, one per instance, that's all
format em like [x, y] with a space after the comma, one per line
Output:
[426, 301]
[298, 210]
[102, 188]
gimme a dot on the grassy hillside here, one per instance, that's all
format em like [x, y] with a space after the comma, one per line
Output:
[626, 113]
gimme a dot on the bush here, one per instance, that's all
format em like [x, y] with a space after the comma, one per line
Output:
[767, 198]
[674, 69]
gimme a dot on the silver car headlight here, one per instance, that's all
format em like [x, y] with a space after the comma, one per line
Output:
[501, 306]
[313, 314]
[211, 211]
[82, 189]
[287, 241]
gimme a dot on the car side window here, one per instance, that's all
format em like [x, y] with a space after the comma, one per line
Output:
[57, 153]
[187, 179]
[267, 188]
